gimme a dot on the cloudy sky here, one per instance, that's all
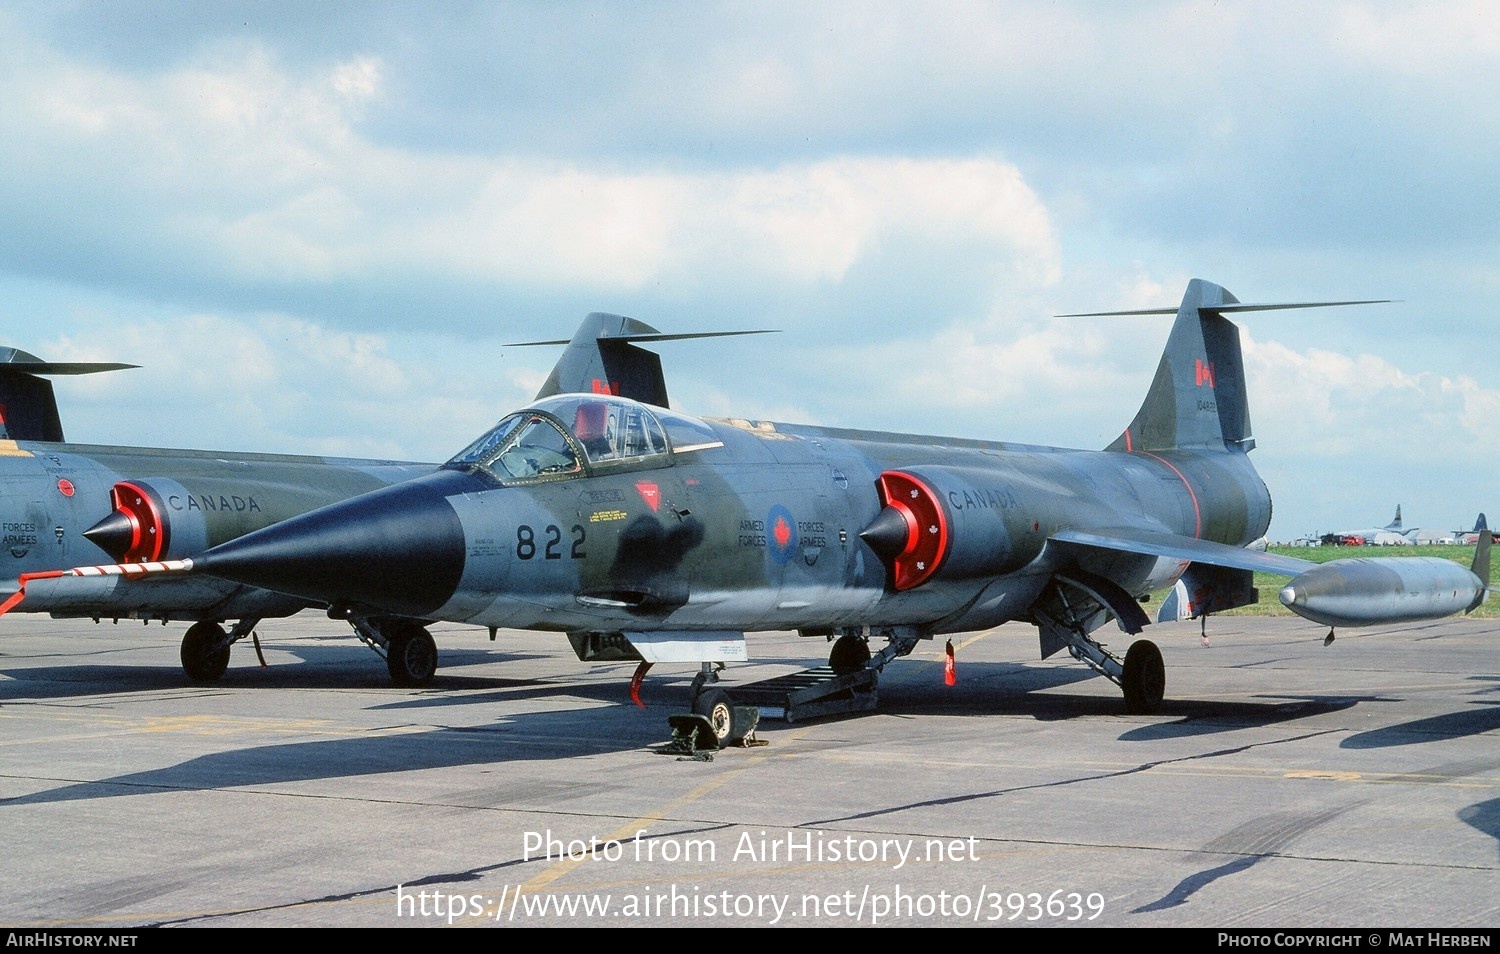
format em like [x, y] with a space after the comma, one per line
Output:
[315, 226]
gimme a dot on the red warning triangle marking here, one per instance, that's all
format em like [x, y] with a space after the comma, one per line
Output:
[651, 494]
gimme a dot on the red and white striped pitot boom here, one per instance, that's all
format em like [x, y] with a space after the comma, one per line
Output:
[131, 570]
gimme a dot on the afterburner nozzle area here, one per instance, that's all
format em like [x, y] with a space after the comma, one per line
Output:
[399, 549]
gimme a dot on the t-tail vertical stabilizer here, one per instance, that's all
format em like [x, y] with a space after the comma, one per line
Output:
[1197, 399]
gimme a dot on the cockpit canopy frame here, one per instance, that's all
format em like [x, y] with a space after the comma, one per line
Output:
[573, 435]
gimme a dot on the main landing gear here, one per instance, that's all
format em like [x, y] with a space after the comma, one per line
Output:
[1140, 674]
[1073, 606]
[1143, 677]
[850, 653]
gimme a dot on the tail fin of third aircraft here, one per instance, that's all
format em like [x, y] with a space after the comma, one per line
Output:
[1395, 525]
[28, 408]
[1197, 399]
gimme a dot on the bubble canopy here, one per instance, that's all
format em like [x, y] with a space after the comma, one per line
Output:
[576, 434]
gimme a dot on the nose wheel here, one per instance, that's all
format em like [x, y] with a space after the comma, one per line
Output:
[724, 719]
[410, 654]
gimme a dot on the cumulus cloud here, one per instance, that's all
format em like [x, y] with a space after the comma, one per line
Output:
[804, 224]
[1339, 403]
[240, 173]
[316, 200]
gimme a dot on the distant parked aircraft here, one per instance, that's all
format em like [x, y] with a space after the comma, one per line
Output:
[1392, 534]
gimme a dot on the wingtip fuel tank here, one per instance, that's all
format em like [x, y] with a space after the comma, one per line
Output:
[1367, 592]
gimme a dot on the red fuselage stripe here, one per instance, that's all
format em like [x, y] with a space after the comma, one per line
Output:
[1197, 513]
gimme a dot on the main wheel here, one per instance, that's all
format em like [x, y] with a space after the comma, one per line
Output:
[714, 705]
[1144, 679]
[849, 654]
[200, 660]
[410, 653]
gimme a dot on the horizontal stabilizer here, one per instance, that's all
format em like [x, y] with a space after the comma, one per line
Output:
[602, 358]
[1227, 308]
[656, 336]
[63, 367]
[16, 361]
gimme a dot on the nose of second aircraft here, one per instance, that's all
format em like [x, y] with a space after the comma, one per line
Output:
[399, 549]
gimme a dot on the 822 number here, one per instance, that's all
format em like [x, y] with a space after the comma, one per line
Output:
[526, 542]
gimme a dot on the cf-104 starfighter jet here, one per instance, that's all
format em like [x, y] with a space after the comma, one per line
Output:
[663, 537]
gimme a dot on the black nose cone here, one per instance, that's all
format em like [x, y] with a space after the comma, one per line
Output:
[399, 549]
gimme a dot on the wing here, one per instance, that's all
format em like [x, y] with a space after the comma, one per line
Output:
[1217, 576]
[1356, 591]
[1186, 549]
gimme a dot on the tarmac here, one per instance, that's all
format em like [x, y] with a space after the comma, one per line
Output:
[1283, 784]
